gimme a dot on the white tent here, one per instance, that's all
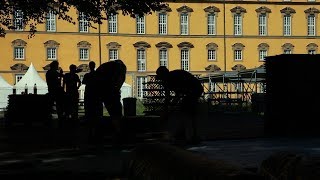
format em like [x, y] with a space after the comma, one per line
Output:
[5, 90]
[125, 91]
[30, 79]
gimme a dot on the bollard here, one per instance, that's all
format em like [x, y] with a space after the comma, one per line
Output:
[129, 106]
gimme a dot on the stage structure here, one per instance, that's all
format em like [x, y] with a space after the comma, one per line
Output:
[234, 87]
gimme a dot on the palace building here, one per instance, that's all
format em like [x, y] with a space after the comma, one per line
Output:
[198, 36]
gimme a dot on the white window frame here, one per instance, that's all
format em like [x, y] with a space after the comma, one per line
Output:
[237, 22]
[51, 22]
[141, 24]
[52, 53]
[163, 20]
[287, 51]
[141, 60]
[212, 55]
[113, 24]
[262, 54]
[113, 54]
[19, 53]
[18, 77]
[263, 20]
[163, 57]
[184, 23]
[185, 59]
[140, 86]
[312, 51]
[311, 21]
[287, 19]
[84, 54]
[83, 23]
[238, 55]
[211, 21]
[18, 20]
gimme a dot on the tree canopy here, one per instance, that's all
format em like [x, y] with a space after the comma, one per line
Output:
[33, 12]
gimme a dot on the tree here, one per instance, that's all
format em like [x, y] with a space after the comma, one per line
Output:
[33, 12]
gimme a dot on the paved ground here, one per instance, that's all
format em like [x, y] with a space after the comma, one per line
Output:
[66, 153]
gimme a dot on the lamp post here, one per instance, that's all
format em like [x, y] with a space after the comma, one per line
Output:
[224, 36]
[99, 36]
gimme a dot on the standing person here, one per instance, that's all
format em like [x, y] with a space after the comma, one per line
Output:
[71, 84]
[93, 107]
[188, 90]
[111, 77]
[55, 90]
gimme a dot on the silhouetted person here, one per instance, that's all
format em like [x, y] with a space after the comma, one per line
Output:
[71, 84]
[188, 90]
[92, 105]
[55, 90]
[111, 77]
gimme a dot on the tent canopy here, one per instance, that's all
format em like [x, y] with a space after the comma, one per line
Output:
[31, 78]
[4, 84]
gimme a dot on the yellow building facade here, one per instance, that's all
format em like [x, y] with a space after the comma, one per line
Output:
[198, 36]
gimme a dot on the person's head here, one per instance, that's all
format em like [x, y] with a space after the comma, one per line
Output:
[54, 65]
[73, 68]
[162, 73]
[92, 65]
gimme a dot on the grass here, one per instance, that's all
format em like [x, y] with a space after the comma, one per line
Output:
[139, 109]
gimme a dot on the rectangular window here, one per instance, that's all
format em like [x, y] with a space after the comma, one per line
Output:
[262, 55]
[18, 20]
[51, 53]
[237, 24]
[163, 54]
[311, 25]
[211, 55]
[287, 25]
[140, 84]
[311, 51]
[184, 24]
[84, 54]
[113, 54]
[262, 25]
[18, 52]
[238, 55]
[18, 77]
[287, 51]
[141, 25]
[211, 24]
[141, 60]
[83, 23]
[185, 60]
[162, 23]
[51, 21]
[112, 24]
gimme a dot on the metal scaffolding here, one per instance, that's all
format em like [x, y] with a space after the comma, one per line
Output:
[234, 87]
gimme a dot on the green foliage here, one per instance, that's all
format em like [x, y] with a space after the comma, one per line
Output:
[139, 109]
[34, 11]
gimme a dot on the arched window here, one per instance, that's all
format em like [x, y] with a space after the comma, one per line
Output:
[238, 13]
[238, 51]
[185, 55]
[263, 49]
[263, 20]
[84, 50]
[141, 47]
[113, 48]
[19, 46]
[287, 48]
[163, 53]
[51, 47]
[287, 13]
[163, 20]
[211, 13]
[312, 48]
[184, 13]
[212, 51]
